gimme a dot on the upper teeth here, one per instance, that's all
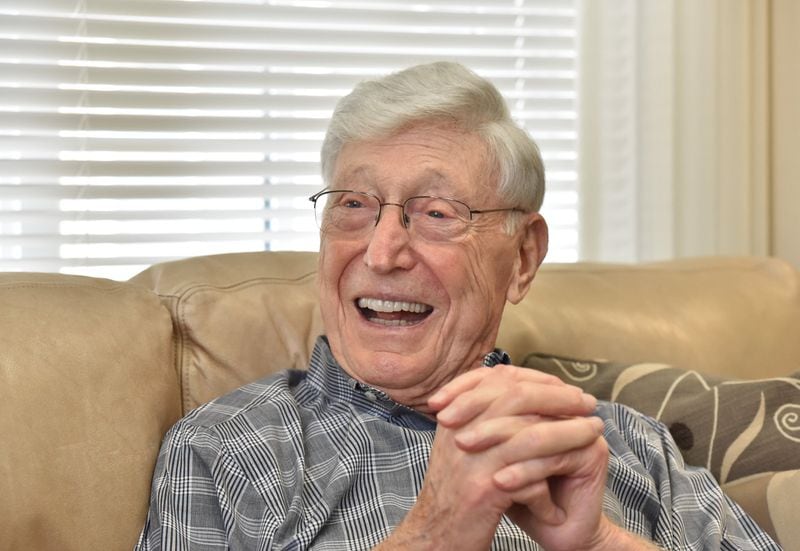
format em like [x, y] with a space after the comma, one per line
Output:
[379, 305]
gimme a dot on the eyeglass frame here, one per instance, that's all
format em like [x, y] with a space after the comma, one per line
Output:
[404, 219]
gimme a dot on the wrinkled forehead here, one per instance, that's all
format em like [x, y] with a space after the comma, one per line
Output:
[423, 182]
[423, 160]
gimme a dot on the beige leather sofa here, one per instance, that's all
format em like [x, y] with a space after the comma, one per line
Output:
[93, 372]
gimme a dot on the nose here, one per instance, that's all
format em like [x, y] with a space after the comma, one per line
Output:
[389, 244]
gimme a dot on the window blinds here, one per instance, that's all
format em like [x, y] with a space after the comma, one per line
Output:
[139, 131]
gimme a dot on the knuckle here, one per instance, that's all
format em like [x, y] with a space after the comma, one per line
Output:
[601, 445]
[561, 463]
[536, 495]
[536, 492]
[573, 397]
[516, 401]
[533, 437]
[550, 379]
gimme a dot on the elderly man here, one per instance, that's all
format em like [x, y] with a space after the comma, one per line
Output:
[408, 431]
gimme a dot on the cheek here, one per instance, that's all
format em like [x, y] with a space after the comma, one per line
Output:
[484, 277]
[333, 260]
[324, 269]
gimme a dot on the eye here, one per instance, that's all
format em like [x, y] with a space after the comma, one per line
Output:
[436, 209]
[350, 200]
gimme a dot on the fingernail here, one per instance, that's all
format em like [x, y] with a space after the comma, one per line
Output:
[467, 438]
[589, 401]
[445, 416]
[437, 397]
[504, 478]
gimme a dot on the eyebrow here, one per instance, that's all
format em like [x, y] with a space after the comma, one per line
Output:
[431, 180]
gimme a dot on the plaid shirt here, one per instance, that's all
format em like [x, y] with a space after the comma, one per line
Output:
[314, 459]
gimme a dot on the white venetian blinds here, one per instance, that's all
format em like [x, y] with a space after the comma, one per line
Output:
[137, 131]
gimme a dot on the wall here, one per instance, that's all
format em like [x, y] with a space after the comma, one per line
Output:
[785, 135]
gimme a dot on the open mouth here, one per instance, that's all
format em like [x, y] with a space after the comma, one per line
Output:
[393, 312]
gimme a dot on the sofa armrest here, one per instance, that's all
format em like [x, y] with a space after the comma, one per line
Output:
[88, 390]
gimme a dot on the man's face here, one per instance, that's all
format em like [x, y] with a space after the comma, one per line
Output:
[406, 315]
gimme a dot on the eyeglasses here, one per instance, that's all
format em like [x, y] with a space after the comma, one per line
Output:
[352, 213]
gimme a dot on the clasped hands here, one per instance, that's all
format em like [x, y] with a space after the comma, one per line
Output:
[518, 442]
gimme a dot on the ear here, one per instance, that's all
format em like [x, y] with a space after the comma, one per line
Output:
[531, 249]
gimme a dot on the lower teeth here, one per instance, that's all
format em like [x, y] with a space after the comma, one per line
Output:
[394, 323]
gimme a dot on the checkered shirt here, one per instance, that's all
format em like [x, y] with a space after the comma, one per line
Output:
[315, 460]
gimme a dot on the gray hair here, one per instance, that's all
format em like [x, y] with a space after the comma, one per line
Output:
[440, 91]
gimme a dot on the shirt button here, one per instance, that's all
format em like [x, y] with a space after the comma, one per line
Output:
[371, 396]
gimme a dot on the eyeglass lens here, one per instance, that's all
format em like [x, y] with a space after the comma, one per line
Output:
[432, 218]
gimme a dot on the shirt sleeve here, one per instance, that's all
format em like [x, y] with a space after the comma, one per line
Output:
[194, 487]
[659, 497]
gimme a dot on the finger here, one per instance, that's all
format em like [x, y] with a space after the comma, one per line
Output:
[462, 383]
[511, 397]
[486, 434]
[517, 476]
[551, 438]
[529, 436]
[536, 500]
[471, 379]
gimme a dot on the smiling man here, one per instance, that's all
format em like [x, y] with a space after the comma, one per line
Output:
[416, 299]
[408, 430]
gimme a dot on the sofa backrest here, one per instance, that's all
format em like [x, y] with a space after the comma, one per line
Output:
[241, 316]
[238, 317]
[733, 317]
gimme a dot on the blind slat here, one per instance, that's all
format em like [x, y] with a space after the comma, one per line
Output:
[480, 29]
[247, 102]
[48, 144]
[337, 80]
[264, 214]
[556, 15]
[262, 57]
[43, 119]
[49, 191]
[56, 263]
[146, 239]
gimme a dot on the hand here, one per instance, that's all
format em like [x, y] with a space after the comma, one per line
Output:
[543, 462]
[460, 503]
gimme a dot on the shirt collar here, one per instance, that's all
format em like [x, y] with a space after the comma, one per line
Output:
[327, 376]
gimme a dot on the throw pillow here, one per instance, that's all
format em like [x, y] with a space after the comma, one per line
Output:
[735, 428]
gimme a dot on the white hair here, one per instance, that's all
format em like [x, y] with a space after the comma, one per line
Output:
[440, 92]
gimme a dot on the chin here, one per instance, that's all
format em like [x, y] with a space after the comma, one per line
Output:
[387, 370]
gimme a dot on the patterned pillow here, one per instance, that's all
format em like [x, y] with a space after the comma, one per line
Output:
[732, 427]
[746, 432]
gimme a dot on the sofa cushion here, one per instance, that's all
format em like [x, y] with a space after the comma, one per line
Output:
[88, 389]
[238, 317]
[771, 499]
[736, 317]
[746, 432]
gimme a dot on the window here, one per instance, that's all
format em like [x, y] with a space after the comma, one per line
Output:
[139, 131]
